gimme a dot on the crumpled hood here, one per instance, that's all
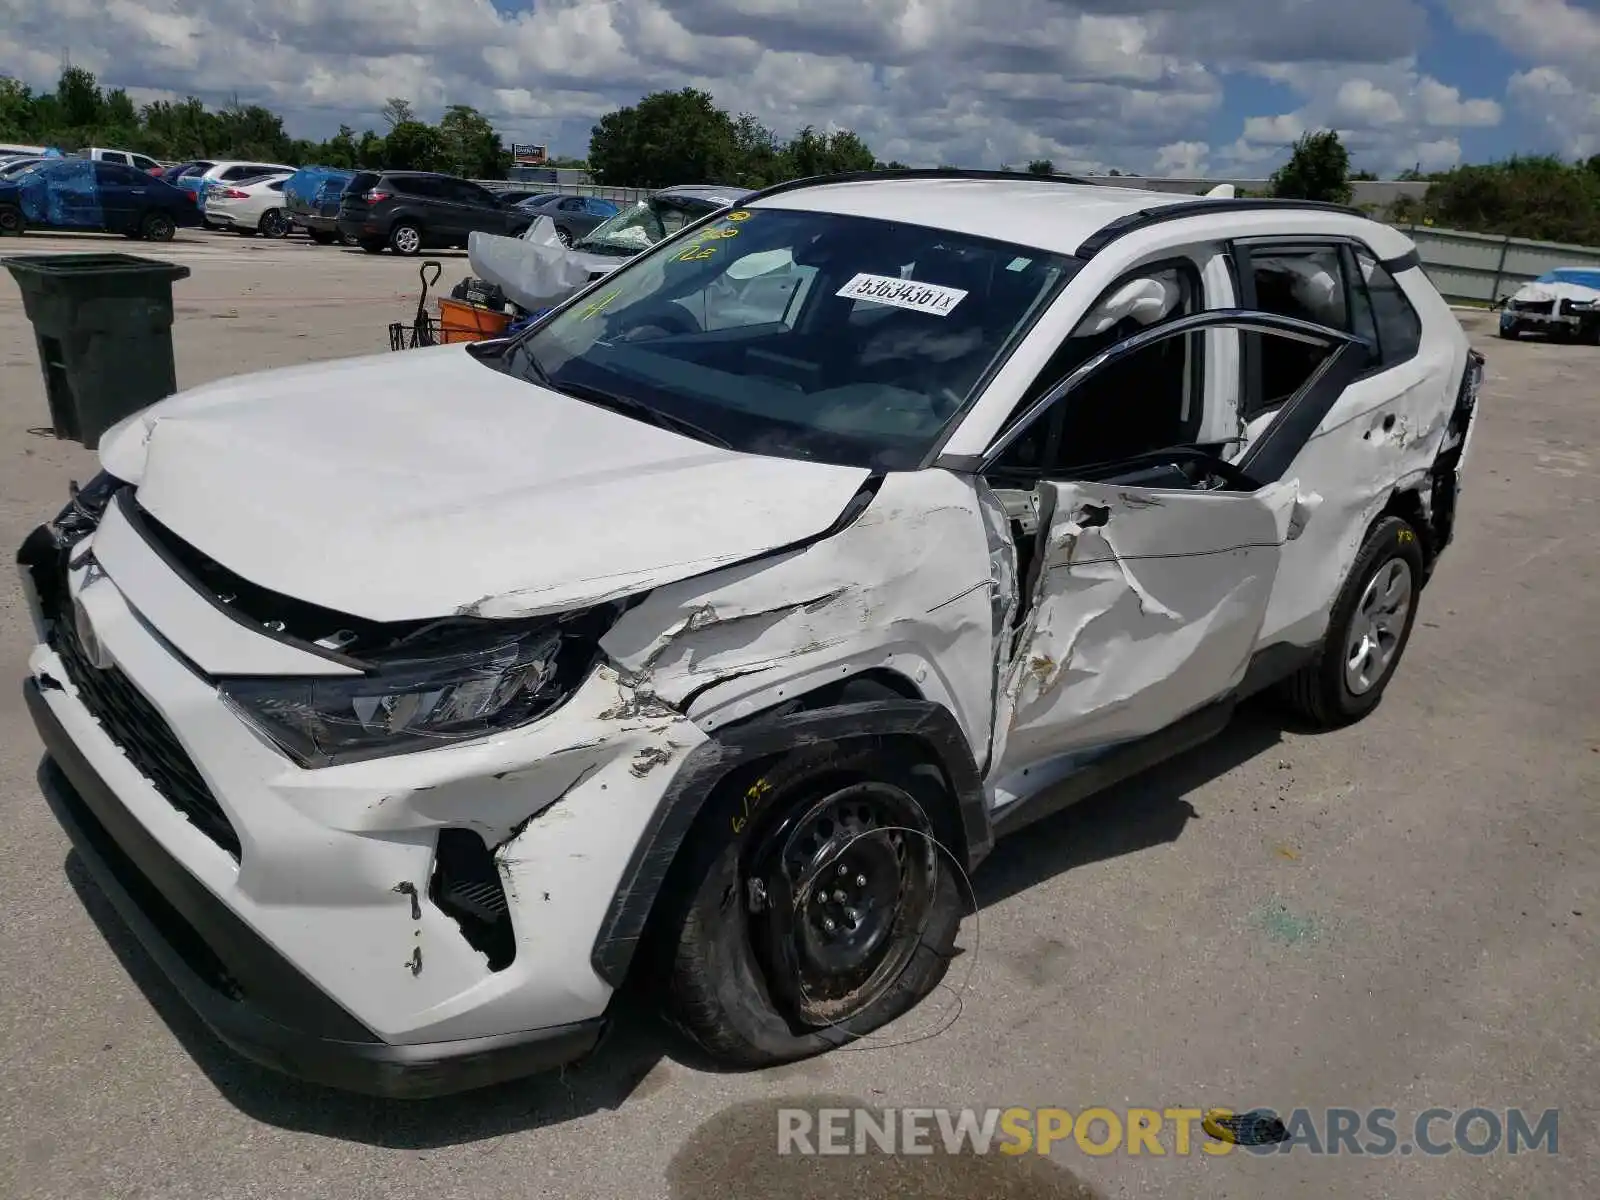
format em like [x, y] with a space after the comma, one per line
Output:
[423, 483]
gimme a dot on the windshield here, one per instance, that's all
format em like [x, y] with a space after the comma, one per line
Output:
[801, 335]
[638, 228]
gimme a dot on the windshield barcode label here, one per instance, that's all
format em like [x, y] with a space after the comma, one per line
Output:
[903, 293]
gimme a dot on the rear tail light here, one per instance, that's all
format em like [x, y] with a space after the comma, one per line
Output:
[231, 194]
[374, 196]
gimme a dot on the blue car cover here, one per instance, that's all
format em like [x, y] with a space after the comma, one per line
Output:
[63, 194]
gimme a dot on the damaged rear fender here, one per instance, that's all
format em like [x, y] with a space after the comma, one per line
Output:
[965, 826]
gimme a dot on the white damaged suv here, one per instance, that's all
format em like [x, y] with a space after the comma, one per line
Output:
[408, 706]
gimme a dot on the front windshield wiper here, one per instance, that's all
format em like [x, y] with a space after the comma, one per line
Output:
[520, 351]
[638, 408]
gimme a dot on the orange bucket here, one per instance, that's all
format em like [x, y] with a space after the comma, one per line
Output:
[460, 322]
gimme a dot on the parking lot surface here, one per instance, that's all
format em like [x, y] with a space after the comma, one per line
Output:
[1399, 915]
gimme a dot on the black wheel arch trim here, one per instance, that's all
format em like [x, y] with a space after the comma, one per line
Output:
[643, 879]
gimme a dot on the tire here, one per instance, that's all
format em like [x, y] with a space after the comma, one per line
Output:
[12, 222]
[729, 989]
[564, 236]
[157, 227]
[274, 224]
[1510, 333]
[373, 245]
[405, 238]
[348, 239]
[1333, 691]
[1589, 333]
[321, 238]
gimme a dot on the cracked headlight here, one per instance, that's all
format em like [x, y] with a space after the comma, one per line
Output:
[408, 703]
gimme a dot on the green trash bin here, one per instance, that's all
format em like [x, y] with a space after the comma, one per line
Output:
[103, 324]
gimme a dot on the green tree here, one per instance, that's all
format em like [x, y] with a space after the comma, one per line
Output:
[470, 145]
[397, 111]
[1041, 166]
[1318, 169]
[1537, 197]
[810, 153]
[120, 112]
[339, 150]
[369, 150]
[757, 153]
[667, 138]
[413, 146]
[17, 120]
[82, 106]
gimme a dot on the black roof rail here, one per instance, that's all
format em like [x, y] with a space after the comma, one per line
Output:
[1199, 206]
[794, 185]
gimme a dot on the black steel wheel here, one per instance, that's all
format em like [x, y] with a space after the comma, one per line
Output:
[157, 227]
[850, 883]
[816, 905]
[12, 223]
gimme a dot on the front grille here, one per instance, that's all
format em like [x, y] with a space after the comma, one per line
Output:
[134, 724]
[1535, 306]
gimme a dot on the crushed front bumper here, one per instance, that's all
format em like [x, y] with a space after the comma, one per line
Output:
[317, 918]
[250, 995]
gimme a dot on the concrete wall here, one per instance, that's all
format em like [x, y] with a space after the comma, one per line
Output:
[1482, 268]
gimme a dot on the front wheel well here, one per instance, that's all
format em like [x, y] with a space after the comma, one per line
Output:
[919, 755]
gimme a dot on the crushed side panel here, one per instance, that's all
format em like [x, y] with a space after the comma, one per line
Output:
[1145, 619]
[908, 586]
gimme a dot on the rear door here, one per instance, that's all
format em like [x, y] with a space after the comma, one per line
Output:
[478, 210]
[121, 196]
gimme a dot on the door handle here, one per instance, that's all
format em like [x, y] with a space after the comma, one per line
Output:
[138, 191]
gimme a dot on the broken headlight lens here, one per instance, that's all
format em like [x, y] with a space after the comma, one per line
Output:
[408, 703]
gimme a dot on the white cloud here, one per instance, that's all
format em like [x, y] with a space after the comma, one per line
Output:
[1571, 113]
[1390, 116]
[1183, 160]
[1544, 31]
[1130, 83]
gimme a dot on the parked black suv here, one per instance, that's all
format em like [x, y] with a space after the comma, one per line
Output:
[412, 211]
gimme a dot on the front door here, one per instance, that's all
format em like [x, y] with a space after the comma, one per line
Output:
[1149, 569]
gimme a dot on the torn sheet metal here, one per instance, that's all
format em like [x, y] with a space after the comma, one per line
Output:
[535, 271]
[1149, 605]
[910, 586]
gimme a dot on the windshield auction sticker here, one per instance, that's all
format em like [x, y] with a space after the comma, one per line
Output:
[903, 293]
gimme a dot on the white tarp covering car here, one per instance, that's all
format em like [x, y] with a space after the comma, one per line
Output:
[543, 270]
[707, 627]
[1562, 303]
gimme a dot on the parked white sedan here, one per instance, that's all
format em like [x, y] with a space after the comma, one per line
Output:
[250, 206]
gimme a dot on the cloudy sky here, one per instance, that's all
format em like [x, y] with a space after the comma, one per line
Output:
[1207, 86]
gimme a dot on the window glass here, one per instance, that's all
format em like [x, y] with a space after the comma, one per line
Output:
[114, 173]
[1150, 400]
[1307, 284]
[746, 330]
[1399, 327]
[419, 185]
[113, 156]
